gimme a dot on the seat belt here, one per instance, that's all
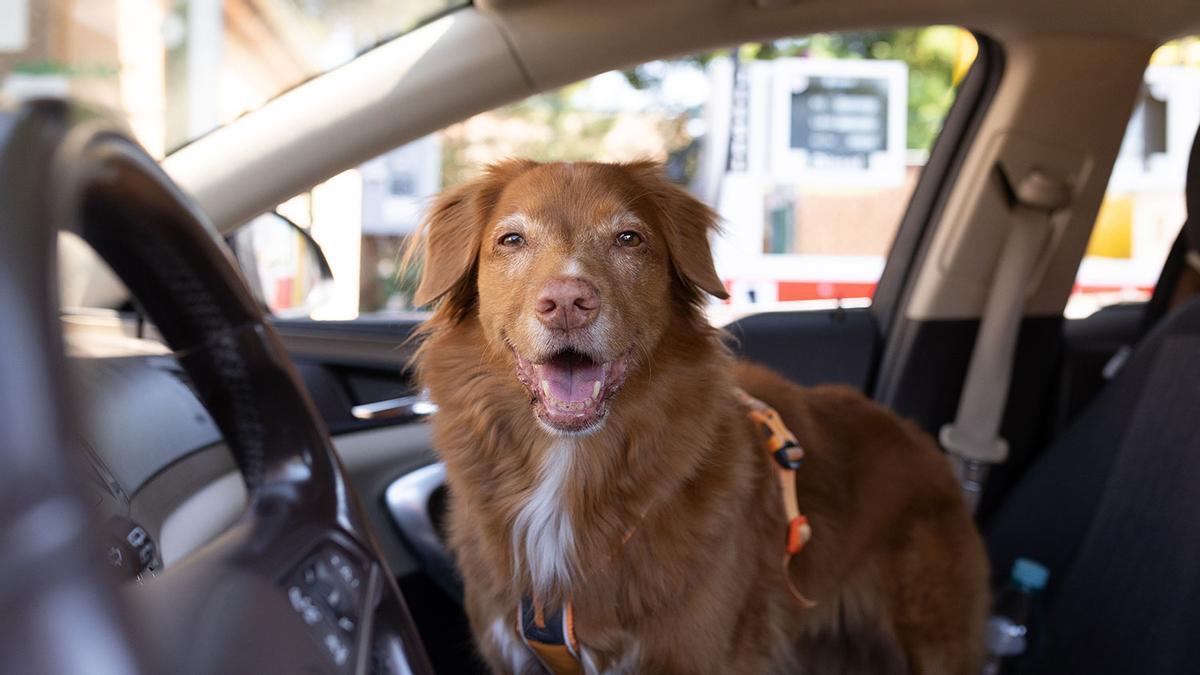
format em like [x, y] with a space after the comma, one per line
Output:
[973, 439]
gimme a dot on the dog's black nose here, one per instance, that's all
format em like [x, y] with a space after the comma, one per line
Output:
[567, 303]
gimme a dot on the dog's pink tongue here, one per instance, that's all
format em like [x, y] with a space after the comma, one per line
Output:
[571, 380]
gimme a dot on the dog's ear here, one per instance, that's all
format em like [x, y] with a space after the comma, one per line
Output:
[688, 222]
[450, 235]
[449, 239]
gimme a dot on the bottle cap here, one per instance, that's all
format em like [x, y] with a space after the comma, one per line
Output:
[1030, 574]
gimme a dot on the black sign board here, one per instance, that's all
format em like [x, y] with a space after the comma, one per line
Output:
[840, 121]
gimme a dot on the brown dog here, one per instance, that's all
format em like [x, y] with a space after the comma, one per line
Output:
[598, 457]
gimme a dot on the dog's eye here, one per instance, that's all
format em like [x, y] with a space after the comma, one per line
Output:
[629, 238]
[512, 239]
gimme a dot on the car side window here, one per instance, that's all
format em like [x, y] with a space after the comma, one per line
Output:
[809, 148]
[1143, 208]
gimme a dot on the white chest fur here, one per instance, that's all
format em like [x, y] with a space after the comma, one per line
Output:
[542, 533]
[514, 653]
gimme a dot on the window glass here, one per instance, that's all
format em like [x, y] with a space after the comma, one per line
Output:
[1143, 208]
[809, 148]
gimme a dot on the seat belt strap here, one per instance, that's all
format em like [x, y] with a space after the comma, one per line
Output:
[973, 439]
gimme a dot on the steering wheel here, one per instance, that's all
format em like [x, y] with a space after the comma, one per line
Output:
[297, 584]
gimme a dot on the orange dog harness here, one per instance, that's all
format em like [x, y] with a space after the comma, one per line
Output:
[781, 443]
[551, 638]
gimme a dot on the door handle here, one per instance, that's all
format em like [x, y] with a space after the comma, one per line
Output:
[409, 408]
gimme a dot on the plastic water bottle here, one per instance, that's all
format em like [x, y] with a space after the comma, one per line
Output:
[1010, 633]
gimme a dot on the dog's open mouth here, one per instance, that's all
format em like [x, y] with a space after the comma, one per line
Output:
[571, 389]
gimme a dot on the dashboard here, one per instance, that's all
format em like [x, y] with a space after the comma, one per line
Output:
[160, 478]
[159, 471]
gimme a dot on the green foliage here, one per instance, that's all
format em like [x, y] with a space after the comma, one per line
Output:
[545, 127]
[551, 127]
[61, 69]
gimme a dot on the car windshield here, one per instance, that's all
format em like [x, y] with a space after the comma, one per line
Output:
[176, 69]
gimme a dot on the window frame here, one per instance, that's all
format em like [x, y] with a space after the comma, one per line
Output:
[910, 247]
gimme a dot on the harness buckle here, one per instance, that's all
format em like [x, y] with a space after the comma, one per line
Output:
[790, 456]
[550, 637]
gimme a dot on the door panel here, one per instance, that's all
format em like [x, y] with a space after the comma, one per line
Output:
[352, 363]
[345, 364]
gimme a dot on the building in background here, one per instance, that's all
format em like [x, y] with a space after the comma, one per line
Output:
[397, 189]
[818, 143]
[1143, 207]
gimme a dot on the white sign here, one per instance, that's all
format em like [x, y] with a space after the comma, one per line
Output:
[398, 186]
[839, 122]
[14, 25]
[1154, 152]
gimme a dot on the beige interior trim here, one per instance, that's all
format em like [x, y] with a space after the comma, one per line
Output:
[1054, 102]
[560, 41]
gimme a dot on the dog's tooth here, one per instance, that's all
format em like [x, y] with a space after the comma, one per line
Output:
[596, 389]
[546, 388]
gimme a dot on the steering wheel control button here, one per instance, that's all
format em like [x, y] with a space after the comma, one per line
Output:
[304, 606]
[345, 571]
[326, 589]
[130, 550]
[337, 649]
[332, 596]
[336, 601]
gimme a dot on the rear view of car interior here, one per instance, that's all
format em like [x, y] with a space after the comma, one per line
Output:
[1020, 278]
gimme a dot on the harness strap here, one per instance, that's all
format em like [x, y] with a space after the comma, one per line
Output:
[551, 638]
[781, 444]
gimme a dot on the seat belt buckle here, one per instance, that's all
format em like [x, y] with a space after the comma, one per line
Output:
[972, 459]
[992, 450]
